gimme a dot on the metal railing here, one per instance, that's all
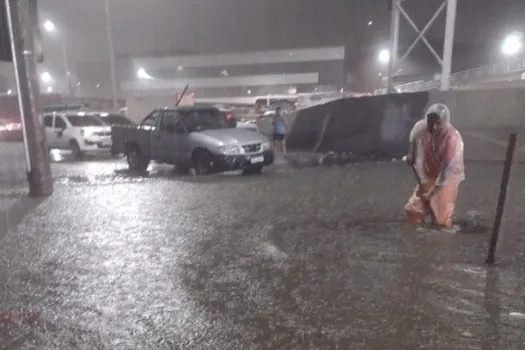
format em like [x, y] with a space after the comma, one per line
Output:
[490, 73]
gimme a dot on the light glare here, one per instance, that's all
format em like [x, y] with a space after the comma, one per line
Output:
[512, 44]
[384, 56]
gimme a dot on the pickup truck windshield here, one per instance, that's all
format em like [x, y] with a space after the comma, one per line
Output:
[84, 120]
[204, 119]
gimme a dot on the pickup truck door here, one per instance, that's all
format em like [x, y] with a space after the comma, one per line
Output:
[151, 124]
[169, 139]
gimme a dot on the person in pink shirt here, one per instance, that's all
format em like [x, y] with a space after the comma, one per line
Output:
[436, 151]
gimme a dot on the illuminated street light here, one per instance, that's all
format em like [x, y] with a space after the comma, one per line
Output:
[512, 44]
[384, 56]
[370, 23]
[46, 78]
[142, 74]
[49, 89]
[49, 26]
[9, 92]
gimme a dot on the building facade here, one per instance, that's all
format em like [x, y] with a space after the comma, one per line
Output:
[237, 74]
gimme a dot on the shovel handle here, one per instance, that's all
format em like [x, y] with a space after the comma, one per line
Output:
[426, 203]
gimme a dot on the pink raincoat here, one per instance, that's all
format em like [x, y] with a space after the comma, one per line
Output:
[439, 161]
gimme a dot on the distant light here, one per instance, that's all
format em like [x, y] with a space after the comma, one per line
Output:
[225, 73]
[9, 92]
[49, 26]
[380, 74]
[249, 92]
[81, 114]
[104, 114]
[179, 68]
[142, 74]
[384, 56]
[512, 44]
[370, 23]
[78, 84]
[46, 77]
[98, 85]
[49, 89]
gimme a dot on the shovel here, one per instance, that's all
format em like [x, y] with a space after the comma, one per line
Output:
[426, 203]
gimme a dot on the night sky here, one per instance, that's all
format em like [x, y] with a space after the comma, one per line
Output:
[144, 27]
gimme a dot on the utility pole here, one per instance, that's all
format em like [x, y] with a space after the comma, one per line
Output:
[22, 47]
[394, 44]
[109, 33]
[448, 46]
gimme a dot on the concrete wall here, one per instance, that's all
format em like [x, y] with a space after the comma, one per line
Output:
[484, 108]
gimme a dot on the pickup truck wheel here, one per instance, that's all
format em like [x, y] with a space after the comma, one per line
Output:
[203, 163]
[136, 161]
[254, 169]
[75, 150]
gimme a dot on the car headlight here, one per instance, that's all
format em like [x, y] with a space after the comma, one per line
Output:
[265, 146]
[230, 149]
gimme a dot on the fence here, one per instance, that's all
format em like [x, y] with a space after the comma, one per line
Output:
[491, 73]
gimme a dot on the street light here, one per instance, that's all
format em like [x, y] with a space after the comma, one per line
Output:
[49, 26]
[384, 56]
[143, 75]
[9, 92]
[512, 44]
[46, 78]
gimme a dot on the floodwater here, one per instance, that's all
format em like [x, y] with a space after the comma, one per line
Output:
[296, 259]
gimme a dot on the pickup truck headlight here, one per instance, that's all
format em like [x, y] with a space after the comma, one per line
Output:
[230, 149]
[265, 146]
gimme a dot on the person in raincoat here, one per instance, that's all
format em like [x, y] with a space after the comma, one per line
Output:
[436, 152]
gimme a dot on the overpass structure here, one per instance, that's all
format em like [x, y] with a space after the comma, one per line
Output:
[238, 74]
[509, 73]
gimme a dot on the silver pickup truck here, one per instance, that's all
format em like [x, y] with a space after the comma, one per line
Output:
[192, 137]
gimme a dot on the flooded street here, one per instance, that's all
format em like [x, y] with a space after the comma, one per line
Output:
[294, 259]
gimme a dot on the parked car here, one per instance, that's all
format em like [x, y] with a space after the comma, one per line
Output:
[113, 119]
[11, 130]
[79, 131]
[192, 137]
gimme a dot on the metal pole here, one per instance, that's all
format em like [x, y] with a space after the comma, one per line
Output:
[448, 46]
[66, 66]
[109, 33]
[394, 45]
[22, 46]
[505, 180]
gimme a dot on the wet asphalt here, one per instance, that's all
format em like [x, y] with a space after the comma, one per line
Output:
[312, 258]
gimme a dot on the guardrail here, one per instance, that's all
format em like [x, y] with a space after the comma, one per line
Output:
[475, 75]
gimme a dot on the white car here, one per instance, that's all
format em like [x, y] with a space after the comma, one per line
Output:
[247, 125]
[78, 131]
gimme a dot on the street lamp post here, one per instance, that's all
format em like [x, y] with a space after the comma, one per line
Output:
[50, 27]
[109, 33]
